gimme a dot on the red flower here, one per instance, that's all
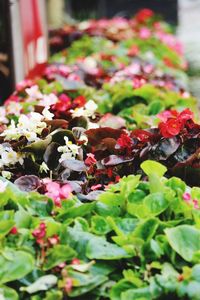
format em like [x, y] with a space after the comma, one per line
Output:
[165, 115]
[174, 122]
[186, 115]
[170, 128]
[39, 233]
[133, 51]
[124, 141]
[90, 160]
[13, 230]
[63, 104]
[79, 101]
[167, 61]
[142, 135]
[144, 15]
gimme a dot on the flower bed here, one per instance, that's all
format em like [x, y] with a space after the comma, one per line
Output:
[86, 211]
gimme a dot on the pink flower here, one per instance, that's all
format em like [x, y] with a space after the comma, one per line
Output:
[54, 240]
[144, 33]
[96, 187]
[75, 261]
[39, 233]
[57, 192]
[165, 115]
[68, 285]
[186, 196]
[195, 203]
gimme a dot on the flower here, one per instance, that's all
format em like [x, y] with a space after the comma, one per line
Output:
[33, 92]
[133, 51]
[3, 186]
[28, 126]
[3, 118]
[54, 240]
[57, 192]
[170, 128]
[63, 104]
[124, 141]
[44, 167]
[48, 100]
[75, 261]
[13, 230]
[9, 157]
[79, 101]
[144, 33]
[13, 108]
[90, 160]
[142, 135]
[6, 174]
[188, 199]
[68, 285]
[87, 110]
[174, 122]
[69, 150]
[47, 114]
[144, 15]
[39, 233]
[165, 115]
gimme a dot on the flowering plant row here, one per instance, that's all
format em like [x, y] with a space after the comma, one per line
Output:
[85, 209]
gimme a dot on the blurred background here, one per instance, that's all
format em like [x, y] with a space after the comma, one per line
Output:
[53, 14]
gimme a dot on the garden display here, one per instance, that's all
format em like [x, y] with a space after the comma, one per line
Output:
[100, 169]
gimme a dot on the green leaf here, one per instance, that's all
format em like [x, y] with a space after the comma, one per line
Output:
[137, 294]
[85, 282]
[185, 240]
[99, 248]
[79, 211]
[14, 264]
[41, 284]
[99, 225]
[152, 167]
[6, 293]
[22, 219]
[57, 255]
[146, 229]
[121, 286]
[155, 204]
[5, 227]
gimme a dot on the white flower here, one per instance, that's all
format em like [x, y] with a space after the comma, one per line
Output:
[10, 157]
[28, 126]
[83, 138]
[3, 186]
[44, 167]
[90, 63]
[13, 108]
[47, 114]
[87, 110]
[92, 125]
[69, 150]
[34, 92]
[90, 107]
[3, 118]
[48, 100]
[6, 174]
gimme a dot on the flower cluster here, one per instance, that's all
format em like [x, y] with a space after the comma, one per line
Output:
[174, 122]
[57, 192]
